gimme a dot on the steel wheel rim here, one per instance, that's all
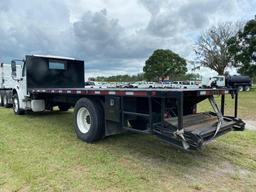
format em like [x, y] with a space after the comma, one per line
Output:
[83, 120]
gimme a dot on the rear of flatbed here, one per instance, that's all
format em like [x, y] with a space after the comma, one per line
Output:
[169, 114]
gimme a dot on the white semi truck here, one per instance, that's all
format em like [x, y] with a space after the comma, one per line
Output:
[43, 82]
[242, 83]
[7, 83]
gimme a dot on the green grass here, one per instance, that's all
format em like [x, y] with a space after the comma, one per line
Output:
[40, 152]
[246, 105]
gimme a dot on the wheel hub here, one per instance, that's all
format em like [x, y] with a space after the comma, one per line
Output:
[88, 119]
[83, 120]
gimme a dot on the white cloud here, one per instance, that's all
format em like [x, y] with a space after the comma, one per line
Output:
[114, 36]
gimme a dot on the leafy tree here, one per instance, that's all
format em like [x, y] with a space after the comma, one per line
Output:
[212, 48]
[242, 47]
[164, 63]
[185, 77]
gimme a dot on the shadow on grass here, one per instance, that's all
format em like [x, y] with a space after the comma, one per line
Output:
[149, 146]
[140, 147]
[48, 113]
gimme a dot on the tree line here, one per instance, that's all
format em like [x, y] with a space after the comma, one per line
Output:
[141, 77]
[218, 48]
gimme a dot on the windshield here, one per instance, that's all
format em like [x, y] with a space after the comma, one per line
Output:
[218, 78]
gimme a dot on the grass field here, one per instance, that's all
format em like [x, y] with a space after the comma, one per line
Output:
[246, 107]
[40, 152]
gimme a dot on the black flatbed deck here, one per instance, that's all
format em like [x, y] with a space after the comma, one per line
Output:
[130, 91]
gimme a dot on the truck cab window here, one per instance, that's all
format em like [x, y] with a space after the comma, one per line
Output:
[57, 65]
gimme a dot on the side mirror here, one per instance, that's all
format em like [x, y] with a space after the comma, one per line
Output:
[13, 66]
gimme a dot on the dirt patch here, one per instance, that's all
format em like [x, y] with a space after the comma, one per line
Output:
[250, 124]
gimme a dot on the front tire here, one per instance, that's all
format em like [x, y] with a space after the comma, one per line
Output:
[88, 120]
[16, 106]
[1, 99]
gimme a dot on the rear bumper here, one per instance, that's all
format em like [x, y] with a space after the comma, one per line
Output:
[198, 130]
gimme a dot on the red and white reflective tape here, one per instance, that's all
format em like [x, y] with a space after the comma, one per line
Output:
[214, 92]
[98, 92]
[142, 93]
[203, 93]
[129, 93]
[111, 92]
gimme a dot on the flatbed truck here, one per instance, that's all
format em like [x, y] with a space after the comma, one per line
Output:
[45, 82]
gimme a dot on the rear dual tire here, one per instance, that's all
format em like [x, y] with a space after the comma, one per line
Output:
[88, 120]
[247, 88]
[240, 88]
[5, 101]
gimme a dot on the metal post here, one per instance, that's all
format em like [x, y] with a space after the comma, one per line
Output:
[236, 102]
[150, 112]
[180, 111]
[223, 104]
[122, 111]
[162, 111]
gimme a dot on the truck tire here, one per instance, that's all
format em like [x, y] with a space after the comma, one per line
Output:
[64, 107]
[247, 88]
[214, 85]
[88, 120]
[240, 88]
[5, 101]
[16, 106]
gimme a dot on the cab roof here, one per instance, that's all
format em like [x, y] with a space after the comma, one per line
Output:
[53, 57]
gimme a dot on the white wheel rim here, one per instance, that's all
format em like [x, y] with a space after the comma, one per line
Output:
[83, 120]
[16, 104]
[5, 100]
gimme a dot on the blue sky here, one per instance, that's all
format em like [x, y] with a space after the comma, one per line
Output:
[114, 36]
